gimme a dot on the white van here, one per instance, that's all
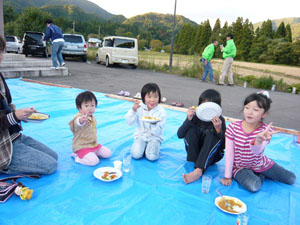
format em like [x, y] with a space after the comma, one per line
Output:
[119, 50]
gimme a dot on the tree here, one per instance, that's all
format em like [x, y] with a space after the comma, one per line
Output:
[185, 39]
[156, 45]
[267, 29]
[281, 31]
[32, 19]
[296, 53]
[288, 36]
[216, 35]
[247, 37]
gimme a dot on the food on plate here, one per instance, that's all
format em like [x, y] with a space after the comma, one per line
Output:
[235, 207]
[150, 118]
[38, 116]
[109, 175]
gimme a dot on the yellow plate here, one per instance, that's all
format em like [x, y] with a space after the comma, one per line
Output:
[37, 117]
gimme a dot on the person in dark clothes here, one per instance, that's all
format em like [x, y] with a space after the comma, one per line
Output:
[204, 141]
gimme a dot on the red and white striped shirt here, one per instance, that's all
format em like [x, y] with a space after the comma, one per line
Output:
[240, 153]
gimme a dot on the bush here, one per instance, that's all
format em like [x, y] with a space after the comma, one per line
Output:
[263, 82]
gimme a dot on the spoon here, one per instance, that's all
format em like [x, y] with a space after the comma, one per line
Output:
[228, 205]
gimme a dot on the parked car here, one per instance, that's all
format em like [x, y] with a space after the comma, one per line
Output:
[75, 46]
[13, 44]
[119, 50]
[33, 44]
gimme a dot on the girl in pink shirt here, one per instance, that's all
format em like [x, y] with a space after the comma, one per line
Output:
[245, 144]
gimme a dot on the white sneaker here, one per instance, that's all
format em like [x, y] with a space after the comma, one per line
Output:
[56, 68]
[63, 64]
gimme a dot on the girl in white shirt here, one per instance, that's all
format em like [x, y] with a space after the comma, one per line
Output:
[149, 134]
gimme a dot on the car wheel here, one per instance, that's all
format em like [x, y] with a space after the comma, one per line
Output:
[26, 55]
[46, 54]
[97, 59]
[84, 58]
[133, 66]
[107, 61]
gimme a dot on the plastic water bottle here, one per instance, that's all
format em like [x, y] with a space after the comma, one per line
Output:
[126, 161]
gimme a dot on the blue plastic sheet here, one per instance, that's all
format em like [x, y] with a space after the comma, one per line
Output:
[152, 192]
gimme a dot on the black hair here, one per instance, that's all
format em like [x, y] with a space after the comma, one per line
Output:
[2, 44]
[210, 95]
[48, 21]
[214, 40]
[262, 101]
[230, 36]
[148, 88]
[86, 96]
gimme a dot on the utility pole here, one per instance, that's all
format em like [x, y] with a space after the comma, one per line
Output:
[99, 31]
[73, 27]
[173, 33]
[1, 19]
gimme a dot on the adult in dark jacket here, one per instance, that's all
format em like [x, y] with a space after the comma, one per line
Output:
[18, 152]
[54, 33]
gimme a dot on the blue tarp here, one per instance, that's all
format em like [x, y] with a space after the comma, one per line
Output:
[152, 192]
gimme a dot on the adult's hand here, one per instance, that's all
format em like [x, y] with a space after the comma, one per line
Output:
[24, 113]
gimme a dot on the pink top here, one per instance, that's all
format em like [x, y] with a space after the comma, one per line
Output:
[240, 153]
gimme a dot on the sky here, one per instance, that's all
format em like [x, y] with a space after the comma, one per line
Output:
[199, 11]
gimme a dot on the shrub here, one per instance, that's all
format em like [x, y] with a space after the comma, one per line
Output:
[263, 82]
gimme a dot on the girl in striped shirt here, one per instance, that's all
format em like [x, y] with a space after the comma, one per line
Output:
[245, 144]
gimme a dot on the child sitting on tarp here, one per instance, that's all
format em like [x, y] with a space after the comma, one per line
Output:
[150, 119]
[86, 149]
[204, 140]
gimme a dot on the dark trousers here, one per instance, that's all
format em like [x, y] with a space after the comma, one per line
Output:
[203, 147]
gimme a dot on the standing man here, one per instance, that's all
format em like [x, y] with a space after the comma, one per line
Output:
[54, 33]
[229, 52]
[207, 55]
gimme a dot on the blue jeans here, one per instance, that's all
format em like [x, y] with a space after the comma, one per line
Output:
[252, 181]
[207, 70]
[150, 148]
[31, 156]
[56, 53]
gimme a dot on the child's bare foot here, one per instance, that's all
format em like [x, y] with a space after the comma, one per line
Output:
[192, 176]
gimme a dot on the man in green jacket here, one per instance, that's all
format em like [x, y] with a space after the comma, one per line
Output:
[207, 55]
[229, 52]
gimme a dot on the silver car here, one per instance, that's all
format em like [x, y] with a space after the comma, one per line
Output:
[75, 46]
[13, 44]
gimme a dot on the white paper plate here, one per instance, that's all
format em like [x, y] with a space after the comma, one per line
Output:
[150, 119]
[206, 111]
[240, 210]
[37, 117]
[98, 173]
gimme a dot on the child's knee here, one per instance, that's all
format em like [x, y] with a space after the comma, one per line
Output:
[292, 179]
[152, 156]
[255, 186]
[137, 154]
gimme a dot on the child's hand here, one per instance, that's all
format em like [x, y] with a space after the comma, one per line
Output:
[83, 119]
[217, 123]
[226, 181]
[266, 135]
[136, 105]
[190, 113]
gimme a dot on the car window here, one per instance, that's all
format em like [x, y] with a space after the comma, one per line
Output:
[73, 39]
[108, 43]
[35, 36]
[123, 43]
[9, 39]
